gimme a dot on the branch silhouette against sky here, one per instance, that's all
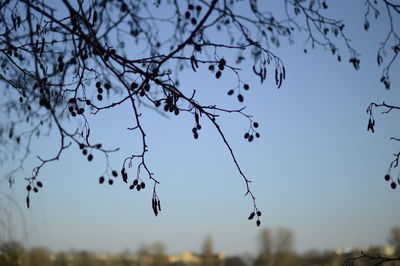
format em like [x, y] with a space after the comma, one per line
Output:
[64, 63]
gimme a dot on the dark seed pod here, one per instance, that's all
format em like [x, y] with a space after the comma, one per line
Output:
[211, 67]
[246, 135]
[138, 188]
[135, 182]
[230, 92]
[35, 189]
[73, 114]
[107, 86]
[218, 74]
[100, 90]
[134, 85]
[142, 185]
[114, 173]
[193, 21]
[387, 177]
[255, 124]
[131, 187]
[392, 185]
[90, 157]
[110, 181]
[258, 223]
[176, 111]
[258, 213]
[101, 179]
[98, 84]
[124, 7]
[187, 14]
[154, 206]
[84, 152]
[99, 97]
[251, 216]
[251, 138]
[257, 135]
[240, 98]
[28, 187]
[246, 87]
[39, 184]
[81, 146]
[196, 135]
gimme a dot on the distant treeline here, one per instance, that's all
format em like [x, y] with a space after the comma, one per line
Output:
[275, 249]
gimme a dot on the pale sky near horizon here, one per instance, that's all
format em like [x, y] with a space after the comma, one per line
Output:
[315, 170]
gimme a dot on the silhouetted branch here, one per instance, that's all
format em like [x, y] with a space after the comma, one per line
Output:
[370, 259]
[371, 124]
[59, 60]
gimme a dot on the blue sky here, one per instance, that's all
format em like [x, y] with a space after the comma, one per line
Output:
[315, 170]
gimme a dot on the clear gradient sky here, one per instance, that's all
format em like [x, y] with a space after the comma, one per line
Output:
[315, 170]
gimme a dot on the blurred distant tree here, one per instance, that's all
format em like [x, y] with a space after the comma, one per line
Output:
[265, 255]
[234, 261]
[39, 257]
[61, 259]
[158, 254]
[276, 249]
[207, 253]
[316, 258]
[84, 258]
[143, 253]
[124, 259]
[13, 254]
[394, 240]
[64, 61]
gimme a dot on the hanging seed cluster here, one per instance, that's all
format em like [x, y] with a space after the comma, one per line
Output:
[32, 186]
[100, 89]
[74, 108]
[393, 184]
[252, 132]
[137, 185]
[253, 214]
[156, 205]
[240, 96]
[85, 152]
[221, 66]
[192, 13]
[170, 104]
[197, 126]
